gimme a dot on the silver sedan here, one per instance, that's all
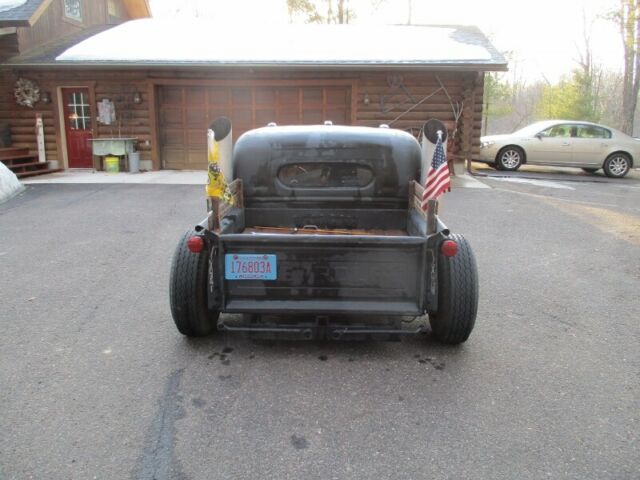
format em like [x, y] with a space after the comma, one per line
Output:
[563, 143]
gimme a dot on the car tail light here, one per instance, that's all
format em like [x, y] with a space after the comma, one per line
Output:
[449, 248]
[195, 244]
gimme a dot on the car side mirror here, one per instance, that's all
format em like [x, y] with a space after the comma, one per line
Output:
[538, 136]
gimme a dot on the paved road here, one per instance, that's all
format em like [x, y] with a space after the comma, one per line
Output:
[95, 382]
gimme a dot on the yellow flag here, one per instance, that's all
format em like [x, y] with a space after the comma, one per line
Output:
[216, 184]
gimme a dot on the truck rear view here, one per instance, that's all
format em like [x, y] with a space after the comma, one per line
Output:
[324, 236]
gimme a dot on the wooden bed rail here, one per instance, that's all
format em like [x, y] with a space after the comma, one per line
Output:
[219, 209]
[415, 202]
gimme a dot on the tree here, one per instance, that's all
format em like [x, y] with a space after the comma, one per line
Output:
[609, 99]
[305, 8]
[578, 96]
[497, 96]
[310, 11]
[588, 75]
[569, 99]
[628, 19]
[509, 102]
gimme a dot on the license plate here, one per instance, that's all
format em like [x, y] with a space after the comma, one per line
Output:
[250, 267]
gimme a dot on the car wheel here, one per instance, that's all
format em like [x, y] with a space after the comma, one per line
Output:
[591, 170]
[617, 165]
[457, 295]
[510, 158]
[188, 291]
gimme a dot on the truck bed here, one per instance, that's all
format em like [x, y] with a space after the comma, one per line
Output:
[324, 231]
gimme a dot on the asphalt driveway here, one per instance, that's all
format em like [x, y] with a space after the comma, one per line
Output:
[95, 382]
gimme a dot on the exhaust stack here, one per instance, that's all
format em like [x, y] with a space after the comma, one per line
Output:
[219, 169]
[219, 146]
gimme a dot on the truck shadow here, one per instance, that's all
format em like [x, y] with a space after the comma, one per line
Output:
[232, 348]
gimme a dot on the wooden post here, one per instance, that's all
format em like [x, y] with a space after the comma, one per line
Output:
[42, 154]
[213, 205]
[468, 113]
[432, 216]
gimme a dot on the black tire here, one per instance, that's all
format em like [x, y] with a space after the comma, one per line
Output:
[188, 291]
[590, 170]
[457, 295]
[510, 158]
[617, 165]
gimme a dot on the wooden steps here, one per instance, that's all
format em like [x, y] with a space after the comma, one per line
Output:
[23, 163]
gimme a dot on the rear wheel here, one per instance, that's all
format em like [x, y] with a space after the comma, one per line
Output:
[457, 295]
[510, 158]
[188, 291]
[617, 165]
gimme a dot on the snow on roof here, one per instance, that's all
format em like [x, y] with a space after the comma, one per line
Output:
[201, 42]
[11, 4]
[20, 13]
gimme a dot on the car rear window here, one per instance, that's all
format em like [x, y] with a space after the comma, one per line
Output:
[318, 175]
[591, 131]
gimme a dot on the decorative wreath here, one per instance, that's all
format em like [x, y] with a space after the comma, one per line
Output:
[27, 92]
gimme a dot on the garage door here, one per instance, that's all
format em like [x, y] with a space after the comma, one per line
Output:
[186, 111]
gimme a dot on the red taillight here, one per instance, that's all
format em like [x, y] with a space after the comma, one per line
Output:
[195, 244]
[449, 248]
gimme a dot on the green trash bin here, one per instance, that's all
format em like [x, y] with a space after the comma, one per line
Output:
[111, 164]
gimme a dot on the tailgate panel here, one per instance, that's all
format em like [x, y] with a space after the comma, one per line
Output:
[337, 274]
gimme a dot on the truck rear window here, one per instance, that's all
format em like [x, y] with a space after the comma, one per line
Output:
[317, 175]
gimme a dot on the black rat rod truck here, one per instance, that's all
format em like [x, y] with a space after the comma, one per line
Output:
[322, 234]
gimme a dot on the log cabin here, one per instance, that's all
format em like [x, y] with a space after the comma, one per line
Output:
[105, 69]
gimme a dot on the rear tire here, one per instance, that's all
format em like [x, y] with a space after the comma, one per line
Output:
[617, 165]
[188, 291]
[457, 295]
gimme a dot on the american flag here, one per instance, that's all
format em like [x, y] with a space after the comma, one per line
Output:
[437, 176]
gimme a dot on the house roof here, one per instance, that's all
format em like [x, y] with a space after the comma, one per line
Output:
[23, 15]
[27, 12]
[46, 54]
[159, 42]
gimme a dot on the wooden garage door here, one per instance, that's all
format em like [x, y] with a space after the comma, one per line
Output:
[186, 111]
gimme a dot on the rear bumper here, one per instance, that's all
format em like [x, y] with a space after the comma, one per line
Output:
[321, 328]
[323, 307]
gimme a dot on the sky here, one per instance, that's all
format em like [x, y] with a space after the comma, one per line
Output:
[544, 36]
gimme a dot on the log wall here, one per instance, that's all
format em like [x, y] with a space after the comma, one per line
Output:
[403, 99]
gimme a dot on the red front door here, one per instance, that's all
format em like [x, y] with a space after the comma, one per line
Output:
[77, 114]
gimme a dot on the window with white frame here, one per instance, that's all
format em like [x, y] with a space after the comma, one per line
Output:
[79, 111]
